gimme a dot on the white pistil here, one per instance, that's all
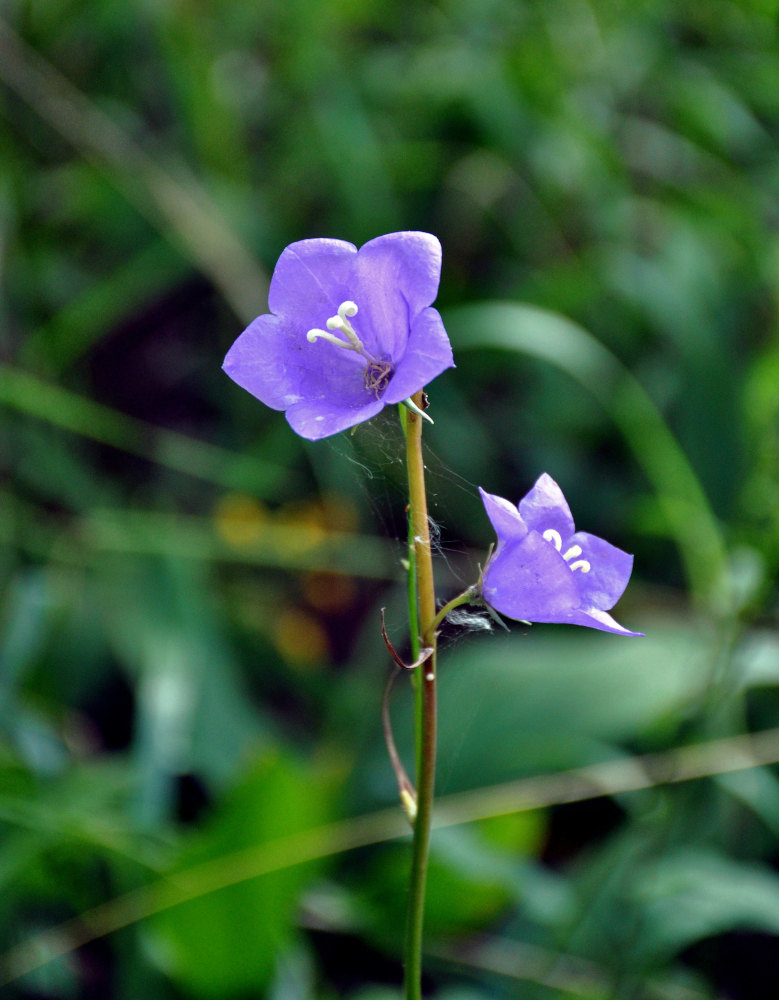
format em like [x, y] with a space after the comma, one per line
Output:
[553, 536]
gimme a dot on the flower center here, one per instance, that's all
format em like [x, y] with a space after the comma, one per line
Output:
[376, 373]
[553, 536]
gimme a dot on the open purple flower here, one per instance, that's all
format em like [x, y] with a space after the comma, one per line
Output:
[543, 571]
[349, 332]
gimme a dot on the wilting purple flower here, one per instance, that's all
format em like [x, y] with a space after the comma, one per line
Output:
[541, 571]
[349, 331]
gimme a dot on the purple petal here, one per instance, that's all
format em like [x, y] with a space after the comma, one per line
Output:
[396, 277]
[594, 618]
[311, 279]
[610, 569]
[253, 363]
[393, 280]
[272, 362]
[544, 507]
[319, 418]
[504, 516]
[428, 353]
[528, 579]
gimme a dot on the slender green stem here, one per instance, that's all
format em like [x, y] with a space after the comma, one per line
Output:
[413, 613]
[426, 687]
[467, 597]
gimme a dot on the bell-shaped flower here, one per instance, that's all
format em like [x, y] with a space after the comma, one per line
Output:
[544, 571]
[349, 331]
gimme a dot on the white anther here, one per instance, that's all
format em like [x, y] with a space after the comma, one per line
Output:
[553, 536]
[313, 335]
[429, 677]
[573, 552]
[341, 323]
[581, 564]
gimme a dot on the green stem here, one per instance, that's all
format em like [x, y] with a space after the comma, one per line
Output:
[426, 688]
[413, 612]
[467, 597]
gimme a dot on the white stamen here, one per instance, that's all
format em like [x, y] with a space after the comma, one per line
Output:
[341, 323]
[313, 335]
[553, 536]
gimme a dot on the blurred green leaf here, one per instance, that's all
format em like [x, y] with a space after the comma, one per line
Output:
[46, 401]
[612, 164]
[229, 941]
[542, 334]
[555, 698]
[693, 894]
[75, 329]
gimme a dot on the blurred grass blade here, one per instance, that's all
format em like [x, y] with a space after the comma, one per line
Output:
[46, 401]
[725, 756]
[179, 206]
[295, 546]
[565, 974]
[74, 330]
[292, 546]
[545, 335]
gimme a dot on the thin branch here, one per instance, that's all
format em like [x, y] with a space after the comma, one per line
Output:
[424, 656]
[406, 790]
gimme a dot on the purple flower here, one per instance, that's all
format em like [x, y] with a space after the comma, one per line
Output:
[541, 571]
[349, 332]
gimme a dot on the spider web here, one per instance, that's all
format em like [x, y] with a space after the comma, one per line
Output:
[371, 464]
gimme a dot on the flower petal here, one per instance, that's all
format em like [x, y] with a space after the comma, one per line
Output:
[529, 580]
[311, 279]
[609, 572]
[332, 382]
[428, 353]
[595, 618]
[256, 364]
[272, 362]
[396, 277]
[321, 417]
[504, 516]
[544, 506]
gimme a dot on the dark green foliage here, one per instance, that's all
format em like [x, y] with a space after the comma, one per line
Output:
[190, 662]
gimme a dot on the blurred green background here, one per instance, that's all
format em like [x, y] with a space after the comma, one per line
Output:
[191, 666]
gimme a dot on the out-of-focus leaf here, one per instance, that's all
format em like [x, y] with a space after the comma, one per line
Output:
[25, 630]
[192, 716]
[78, 326]
[546, 335]
[46, 401]
[460, 899]
[228, 941]
[693, 894]
[758, 789]
[554, 697]
[295, 976]
[757, 660]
